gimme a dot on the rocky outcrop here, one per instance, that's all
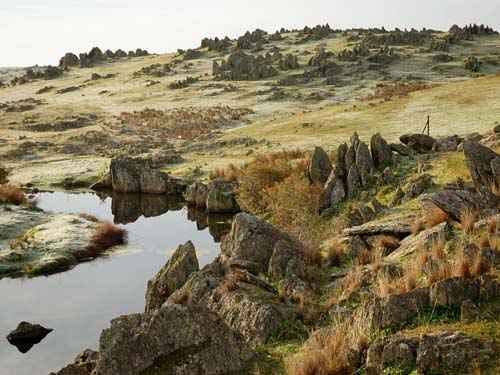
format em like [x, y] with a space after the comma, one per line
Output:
[440, 352]
[83, 364]
[420, 143]
[178, 339]
[320, 166]
[69, 60]
[172, 276]
[415, 187]
[354, 169]
[483, 164]
[242, 67]
[137, 175]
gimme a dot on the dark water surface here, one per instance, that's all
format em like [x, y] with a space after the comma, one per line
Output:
[79, 303]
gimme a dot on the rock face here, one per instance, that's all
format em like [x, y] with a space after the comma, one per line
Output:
[483, 164]
[175, 339]
[137, 175]
[320, 166]
[26, 335]
[420, 143]
[172, 276]
[453, 292]
[196, 194]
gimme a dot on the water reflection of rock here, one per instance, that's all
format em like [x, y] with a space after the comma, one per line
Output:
[127, 208]
[218, 224]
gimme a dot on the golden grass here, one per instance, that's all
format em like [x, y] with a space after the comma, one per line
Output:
[329, 352]
[467, 220]
[432, 217]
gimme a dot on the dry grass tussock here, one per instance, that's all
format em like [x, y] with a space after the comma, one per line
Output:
[387, 91]
[181, 123]
[432, 266]
[467, 220]
[330, 351]
[106, 236]
[432, 217]
[10, 194]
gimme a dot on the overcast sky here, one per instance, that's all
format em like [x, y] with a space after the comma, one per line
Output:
[41, 31]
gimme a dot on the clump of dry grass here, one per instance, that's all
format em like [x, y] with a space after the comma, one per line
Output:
[432, 217]
[106, 236]
[335, 252]
[493, 225]
[330, 352]
[351, 283]
[10, 194]
[229, 174]
[400, 89]
[467, 220]
[387, 244]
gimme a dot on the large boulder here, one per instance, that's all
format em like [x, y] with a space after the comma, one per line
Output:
[69, 60]
[221, 197]
[381, 151]
[483, 165]
[453, 353]
[320, 166]
[420, 143]
[196, 194]
[172, 276]
[137, 175]
[364, 163]
[253, 243]
[456, 201]
[398, 226]
[454, 291]
[176, 339]
[398, 308]
[393, 351]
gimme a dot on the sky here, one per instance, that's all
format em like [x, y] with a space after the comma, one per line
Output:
[41, 31]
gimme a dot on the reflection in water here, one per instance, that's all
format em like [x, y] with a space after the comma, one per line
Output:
[127, 208]
[79, 303]
[218, 224]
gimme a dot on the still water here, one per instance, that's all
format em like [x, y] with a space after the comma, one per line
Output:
[79, 303]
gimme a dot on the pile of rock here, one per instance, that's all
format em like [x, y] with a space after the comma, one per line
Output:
[218, 196]
[469, 31]
[96, 56]
[398, 37]
[47, 73]
[317, 32]
[249, 40]
[242, 67]
[155, 70]
[354, 54]
[216, 44]
[354, 169]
